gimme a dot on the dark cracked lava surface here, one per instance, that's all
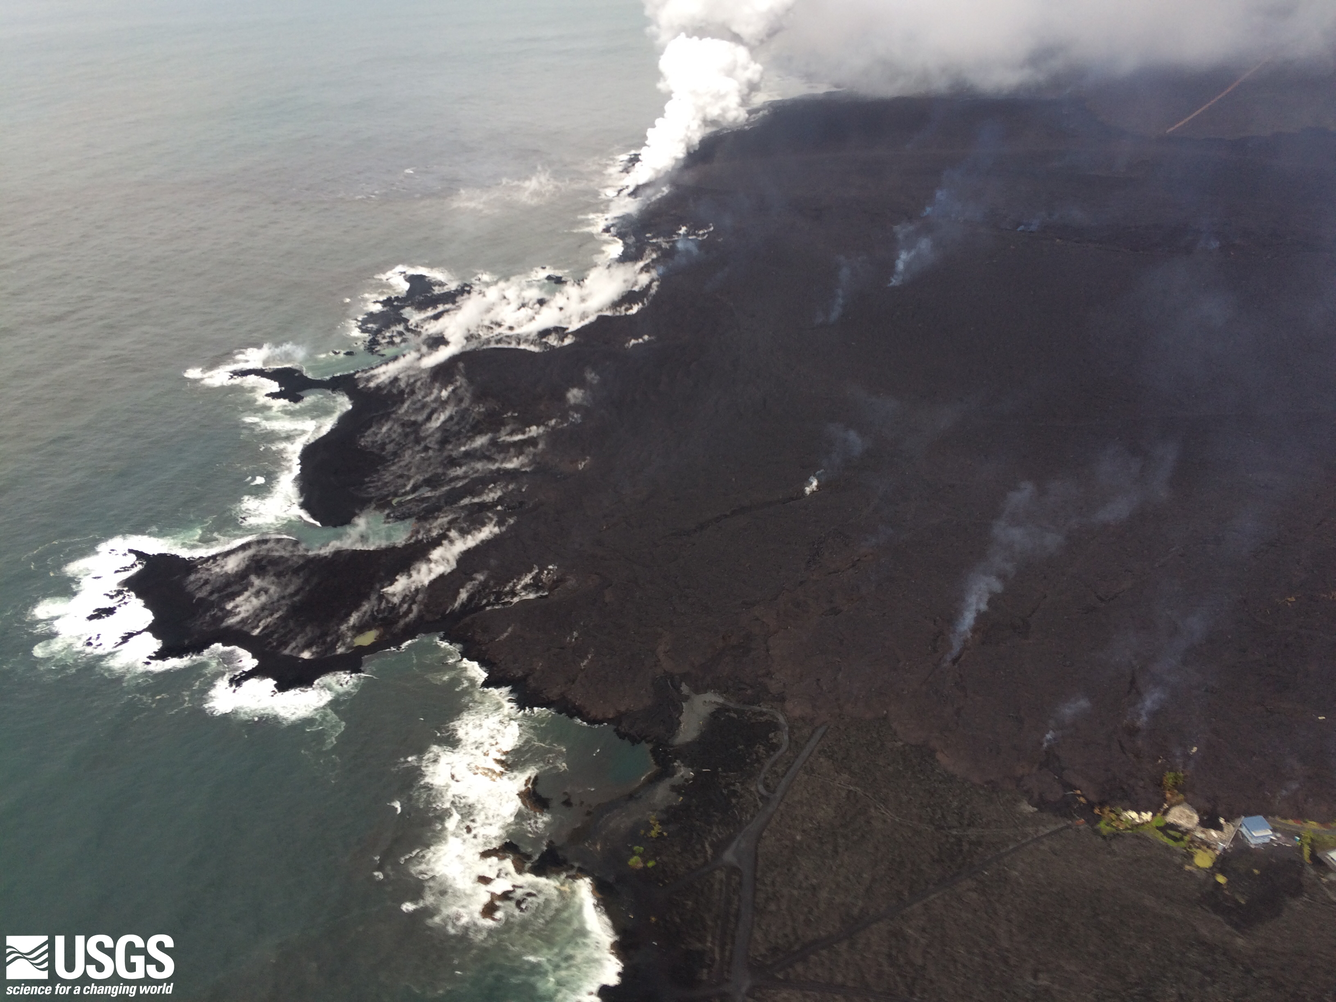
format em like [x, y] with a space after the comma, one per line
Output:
[981, 417]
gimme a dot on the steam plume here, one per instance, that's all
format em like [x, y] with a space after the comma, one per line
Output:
[713, 49]
[712, 83]
[748, 21]
[1035, 523]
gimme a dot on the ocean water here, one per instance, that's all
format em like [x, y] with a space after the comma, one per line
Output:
[188, 186]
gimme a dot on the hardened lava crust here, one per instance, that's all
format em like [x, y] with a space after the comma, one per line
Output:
[982, 418]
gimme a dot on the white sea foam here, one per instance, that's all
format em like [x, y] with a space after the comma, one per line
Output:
[397, 279]
[265, 356]
[288, 433]
[259, 699]
[102, 618]
[283, 427]
[472, 783]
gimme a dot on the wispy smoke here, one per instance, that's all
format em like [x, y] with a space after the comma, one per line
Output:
[915, 253]
[1158, 659]
[919, 241]
[1035, 523]
[958, 203]
[843, 446]
[845, 279]
[1064, 716]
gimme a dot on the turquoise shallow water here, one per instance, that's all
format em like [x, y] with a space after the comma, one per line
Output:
[181, 181]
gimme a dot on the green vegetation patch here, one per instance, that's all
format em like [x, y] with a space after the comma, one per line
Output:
[1115, 821]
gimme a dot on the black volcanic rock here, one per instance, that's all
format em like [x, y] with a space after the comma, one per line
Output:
[291, 382]
[903, 355]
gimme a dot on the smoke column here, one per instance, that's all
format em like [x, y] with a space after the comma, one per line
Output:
[711, 83]
[1035, 523]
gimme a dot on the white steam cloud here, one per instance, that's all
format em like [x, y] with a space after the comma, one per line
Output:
[712, 83]
[708, 71]
[749, 21]
[912, 46]
[713, 50]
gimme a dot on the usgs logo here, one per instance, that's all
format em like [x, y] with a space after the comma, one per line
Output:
[99, 957]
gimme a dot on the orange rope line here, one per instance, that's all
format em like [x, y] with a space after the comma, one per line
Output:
[1218, 96]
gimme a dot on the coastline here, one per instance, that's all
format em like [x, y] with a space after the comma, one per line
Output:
[750, 487]
[898, 880]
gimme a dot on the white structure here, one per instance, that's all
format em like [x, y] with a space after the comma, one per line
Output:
[1182, 816]
[1256, 830]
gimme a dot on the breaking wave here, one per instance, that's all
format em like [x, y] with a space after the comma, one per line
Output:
[283, 428]
[474, 880]
[103, 619]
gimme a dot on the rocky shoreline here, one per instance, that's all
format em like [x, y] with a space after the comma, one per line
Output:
[992, 438]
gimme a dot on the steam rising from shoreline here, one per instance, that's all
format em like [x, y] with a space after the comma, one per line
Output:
[713, 50]
[712, 83]
[708, 71]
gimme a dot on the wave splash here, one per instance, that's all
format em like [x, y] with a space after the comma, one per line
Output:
[282, 426]
[475, 883]
[102, 620]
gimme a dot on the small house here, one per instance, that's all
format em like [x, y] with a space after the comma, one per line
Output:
[1256, 830]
